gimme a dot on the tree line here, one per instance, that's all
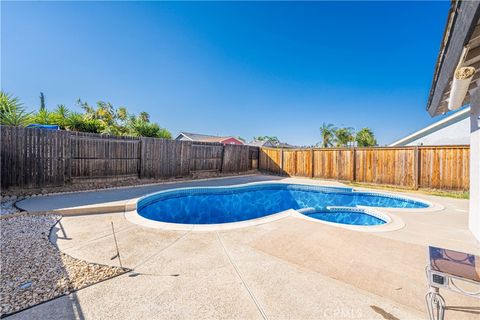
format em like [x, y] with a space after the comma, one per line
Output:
[335, 137]
[101, 118]
[104, 118]
[346, 136]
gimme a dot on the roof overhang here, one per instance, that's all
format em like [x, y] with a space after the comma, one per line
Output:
[454, 118]
[184, 135]
[462, 30]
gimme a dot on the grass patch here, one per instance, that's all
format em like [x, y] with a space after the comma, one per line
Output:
[433, 192]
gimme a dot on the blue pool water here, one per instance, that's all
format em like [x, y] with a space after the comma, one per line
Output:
[231, 204]
[347, 217]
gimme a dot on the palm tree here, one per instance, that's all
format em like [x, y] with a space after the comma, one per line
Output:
[43, 116]
[78, 122]
[140, 128]
[343, 136]
[89, 111]
[144, 116]
[60, 114]
[122, 114]
[366, 138]
[12, 112]
[327, 131]
[105, 112]
[74, 121]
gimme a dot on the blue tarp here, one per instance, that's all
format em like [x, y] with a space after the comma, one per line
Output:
[44, 126]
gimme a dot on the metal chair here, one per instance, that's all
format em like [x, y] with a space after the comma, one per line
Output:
[446, 270]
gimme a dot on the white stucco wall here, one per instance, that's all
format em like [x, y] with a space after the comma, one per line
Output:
[474, 210]
[456, 133]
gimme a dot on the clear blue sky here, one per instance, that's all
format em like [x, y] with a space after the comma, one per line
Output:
[233, 68]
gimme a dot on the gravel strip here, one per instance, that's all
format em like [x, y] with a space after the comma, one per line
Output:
[33, 270]
[7, 205]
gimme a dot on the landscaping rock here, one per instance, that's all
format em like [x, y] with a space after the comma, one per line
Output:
[7, 205]
[33, 270]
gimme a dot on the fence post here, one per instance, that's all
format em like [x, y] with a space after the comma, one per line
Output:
[295, 153]
[67, 145]
[140, 157]
[312, 165]
[223, 158]
[416, 168]
[354, 164]
[281, 160]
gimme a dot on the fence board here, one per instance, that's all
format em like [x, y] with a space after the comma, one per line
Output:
[439, 167]
[445, 167]
[103, 155]
[206, 156]
[162, 158]
[237, 158]
[38, 157]
[332, 164]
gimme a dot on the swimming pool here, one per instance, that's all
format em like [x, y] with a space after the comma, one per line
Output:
[213, 205]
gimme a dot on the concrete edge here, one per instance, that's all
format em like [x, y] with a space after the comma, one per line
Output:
[131, 205]
[135, 218]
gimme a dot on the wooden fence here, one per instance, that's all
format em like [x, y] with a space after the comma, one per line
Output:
[436, 167]
[40, 158]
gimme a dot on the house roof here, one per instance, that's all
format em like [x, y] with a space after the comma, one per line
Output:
[204, 137]
[462, 30]
[285, 145]
[257, 143]
[453, 118]
[261, 143]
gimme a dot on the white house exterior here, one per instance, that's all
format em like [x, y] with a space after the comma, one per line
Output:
[452, 130]
[460, 49]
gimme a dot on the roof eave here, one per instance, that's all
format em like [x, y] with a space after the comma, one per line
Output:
[461, 22]
[454, 118]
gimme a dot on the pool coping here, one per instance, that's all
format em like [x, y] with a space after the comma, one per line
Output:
[135, 218]
[394, 223]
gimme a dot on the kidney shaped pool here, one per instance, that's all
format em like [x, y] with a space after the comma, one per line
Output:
[211, 205]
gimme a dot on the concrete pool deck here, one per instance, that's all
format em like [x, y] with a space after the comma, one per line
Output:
[288, 268]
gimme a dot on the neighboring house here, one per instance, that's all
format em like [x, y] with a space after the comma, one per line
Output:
[270, 144]
[285, 145]
[261, 143]
[452, 130]
[188, 136]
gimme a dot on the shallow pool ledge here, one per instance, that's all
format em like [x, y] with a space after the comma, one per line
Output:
[394, 222]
